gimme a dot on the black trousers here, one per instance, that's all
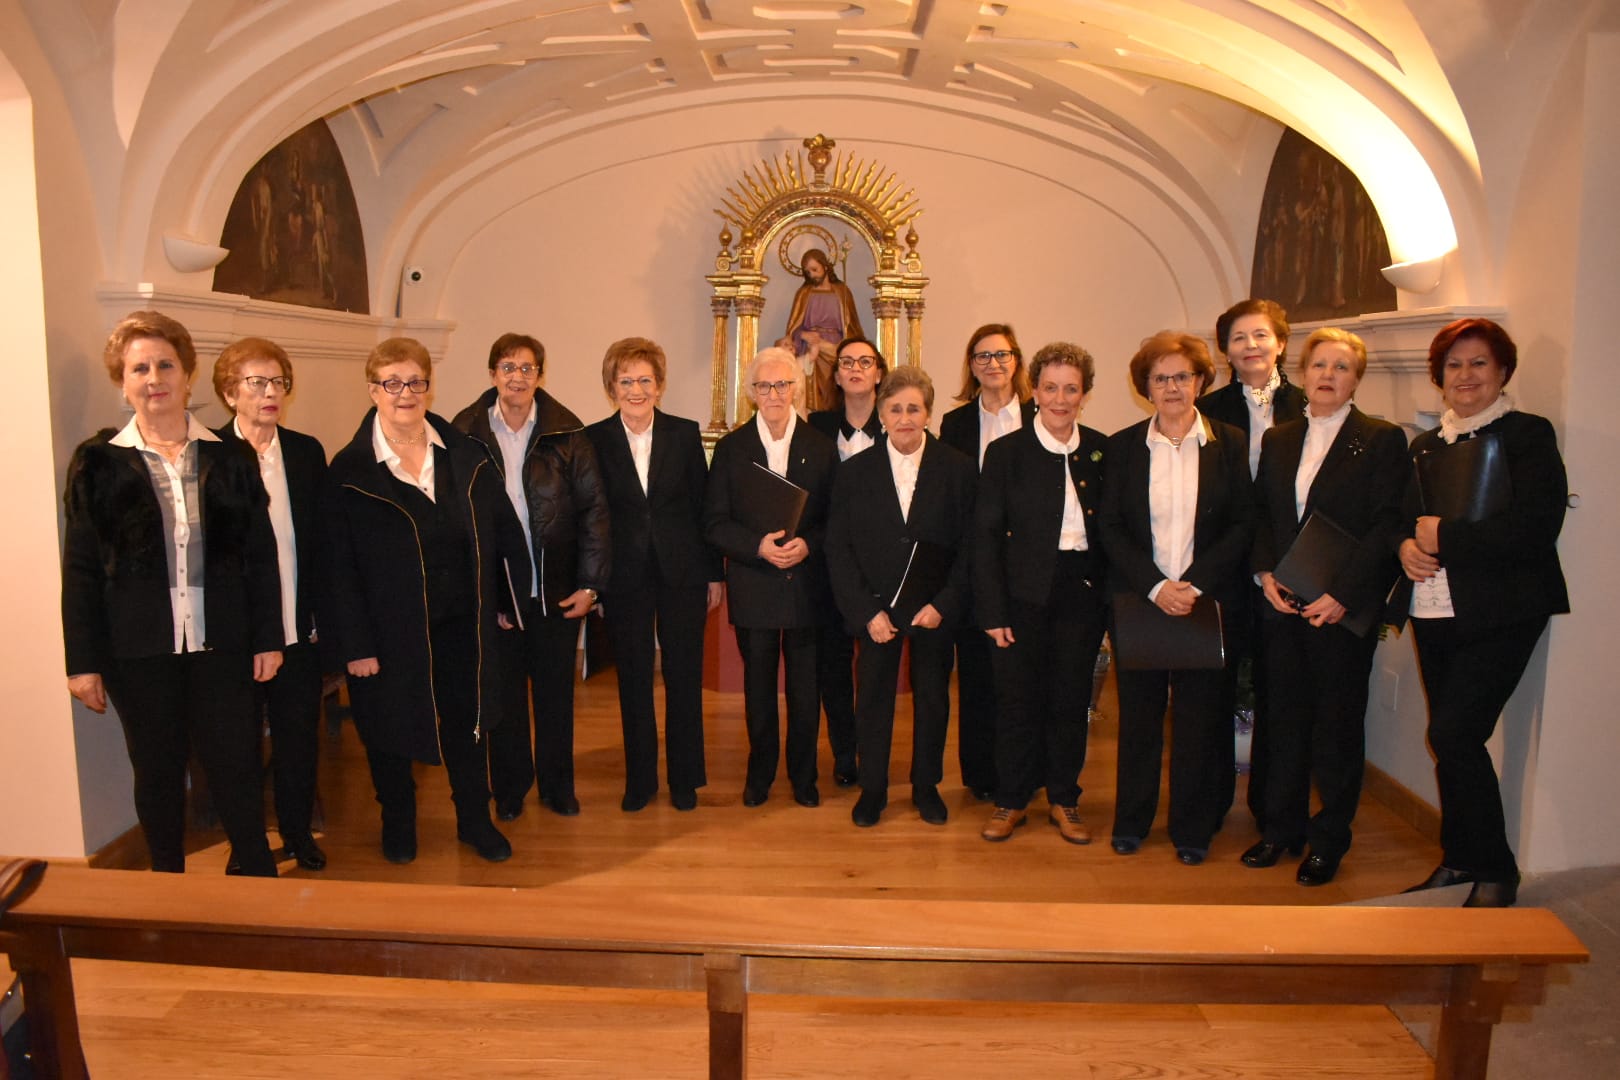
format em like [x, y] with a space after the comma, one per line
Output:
[1195, 754]
[292, 701]
[175, 703]
[455, 693]
[1316, 731]
[762, 651]
[1468, 676]
[975, 710]
[537, 665]
[1247, 644]
[1043, 688]
[877, 673]
[675, 615]
[835, 658]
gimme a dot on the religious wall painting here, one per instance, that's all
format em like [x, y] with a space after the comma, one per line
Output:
[293, 230]
[1320, 247]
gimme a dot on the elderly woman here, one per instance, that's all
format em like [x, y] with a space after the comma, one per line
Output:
[776, 583]
[1176, 522]
[1484, 590]
[171, 604]
[899, 559]
[996, 400]
[851, 422]
[427, 561]
[253, 378]
[1037, 592]
[1342, 464]
[665, 579]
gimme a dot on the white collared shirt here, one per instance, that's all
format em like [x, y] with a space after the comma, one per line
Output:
[1072, 533]
[180, 498]
[904, 467]
[640, 452]
[1320, 431]
[273, 471]
[853, 444]
[776, 450]
[386, 454]
[993, 425]
[514, 445]
[1173, 498]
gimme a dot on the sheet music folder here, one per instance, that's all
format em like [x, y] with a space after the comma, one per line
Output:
[927, 570]
[769, 501]
[1148, 639]
[1308, 567]
[1466, 481]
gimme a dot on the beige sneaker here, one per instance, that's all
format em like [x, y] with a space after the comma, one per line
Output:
[1002, 823]
[1067, 820]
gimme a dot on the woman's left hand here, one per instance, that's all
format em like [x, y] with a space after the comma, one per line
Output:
[928, 618]
[1176, 598]
[717, 593]
[577, 605]
[1427, 534]
[1323, 611]
[503, 622]
[265, 665]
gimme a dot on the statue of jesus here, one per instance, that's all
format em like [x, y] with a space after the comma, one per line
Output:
[823, 315]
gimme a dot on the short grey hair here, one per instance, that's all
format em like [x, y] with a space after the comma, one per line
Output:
[775, 354]
[904, 377]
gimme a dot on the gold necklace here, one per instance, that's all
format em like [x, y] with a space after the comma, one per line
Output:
[418, 437]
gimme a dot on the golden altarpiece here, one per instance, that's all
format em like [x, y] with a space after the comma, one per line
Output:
[778, 200]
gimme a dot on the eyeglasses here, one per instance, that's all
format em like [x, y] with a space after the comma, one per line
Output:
[850, 363]
[645, 384]
[781, 388]
[506, 367]
[1182, 379]
[1000, 356]
[394, 386]
[258, 384]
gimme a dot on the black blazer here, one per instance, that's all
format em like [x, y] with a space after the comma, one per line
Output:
[1227, 405]
[959, 428]
[1019, 515]
[1358, 487]
[1223, 529]
[869, 543]
[1504, 569]
[304, 460]
[830, 421]
[115, 564]
[663, 526]
[759, 595]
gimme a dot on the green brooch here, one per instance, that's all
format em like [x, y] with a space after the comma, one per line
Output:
[1096, 455]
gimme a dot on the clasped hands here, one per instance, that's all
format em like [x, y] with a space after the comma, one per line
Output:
[881, 627]
[780, 555]
[1420, 552]
[1323, 611]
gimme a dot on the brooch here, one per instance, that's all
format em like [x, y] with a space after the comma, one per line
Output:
[1096, 455]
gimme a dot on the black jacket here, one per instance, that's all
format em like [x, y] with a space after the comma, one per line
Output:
[1227, 405]
[115, 563]
[568, 509]
[1019, 516]
[959, 428]
[759, 595]
[1504, 569]
[378, 598]
[304, 460]
[1358, 487]
[662, 526]
[831, 421]
[869, 543]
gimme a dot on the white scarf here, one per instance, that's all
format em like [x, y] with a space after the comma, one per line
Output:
[1262, 395]
[1452, 426]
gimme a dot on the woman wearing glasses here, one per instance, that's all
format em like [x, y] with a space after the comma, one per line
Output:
[1176, 522]
[253, 377]
[851, 421]
[776, 583]
[996, 395]
[665, 578]
[427, 562]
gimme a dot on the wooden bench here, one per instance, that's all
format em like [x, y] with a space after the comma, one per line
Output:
[1471, 962]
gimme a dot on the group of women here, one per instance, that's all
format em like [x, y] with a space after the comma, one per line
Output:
[200, 592]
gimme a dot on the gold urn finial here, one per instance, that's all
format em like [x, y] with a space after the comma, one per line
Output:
[820, 148]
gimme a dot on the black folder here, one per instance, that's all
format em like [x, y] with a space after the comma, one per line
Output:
[1146, 638]
[1308, 567]
[1466, 481]
[927, 570]
[768, 501]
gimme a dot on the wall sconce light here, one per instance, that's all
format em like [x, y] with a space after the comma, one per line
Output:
[1417, 276]
[191, 256]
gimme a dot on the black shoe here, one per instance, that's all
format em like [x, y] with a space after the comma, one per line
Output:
[983, 794]
[1266, 854]
[634, 801]
[566, 804]
[305, 851]
[1192, 856]
[1125, 845]
[484, 838]
[755, 796]
[1318, 869]
[399, 842]
[868, 808]
[509, 809]
[1443, 877]
[683, 798]
[929, 805]
[845, 774]
[807, 795]
[1493, 894]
